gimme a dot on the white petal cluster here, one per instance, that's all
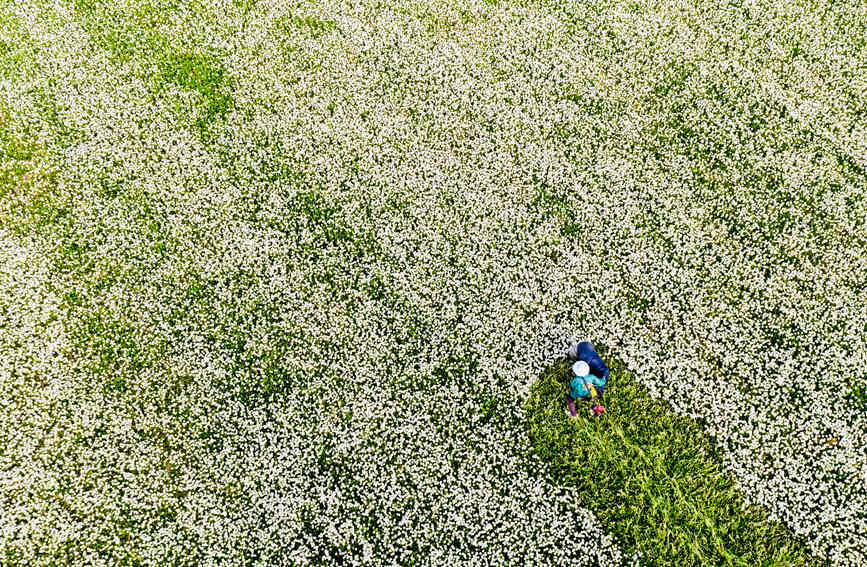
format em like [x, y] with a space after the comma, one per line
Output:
[272, 330]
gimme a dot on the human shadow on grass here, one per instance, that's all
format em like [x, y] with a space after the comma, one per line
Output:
[654, 479]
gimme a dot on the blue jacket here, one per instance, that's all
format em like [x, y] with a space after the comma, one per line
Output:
[597, 367]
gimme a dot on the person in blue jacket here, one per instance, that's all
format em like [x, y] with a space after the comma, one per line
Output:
[585, 351]
[580, 388]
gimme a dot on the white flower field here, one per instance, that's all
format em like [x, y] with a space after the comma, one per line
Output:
[276, 276]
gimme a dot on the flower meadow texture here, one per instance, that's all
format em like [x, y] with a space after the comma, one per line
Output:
[275, 277]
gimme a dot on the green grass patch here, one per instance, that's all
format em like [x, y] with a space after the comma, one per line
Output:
[312, 25]
[857, 395]
[204, 75]
[143, 32]
[29, 198]
[654, 479]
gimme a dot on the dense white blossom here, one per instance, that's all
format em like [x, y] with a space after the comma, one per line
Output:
[391, 213]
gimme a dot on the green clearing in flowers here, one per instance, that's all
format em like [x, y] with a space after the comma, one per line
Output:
[655, 479]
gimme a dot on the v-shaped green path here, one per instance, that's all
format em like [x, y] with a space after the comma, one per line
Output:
[654, 479]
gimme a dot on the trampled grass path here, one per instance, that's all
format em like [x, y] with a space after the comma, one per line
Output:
[654, 478]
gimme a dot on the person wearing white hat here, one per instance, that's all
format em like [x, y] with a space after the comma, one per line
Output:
[579, 387]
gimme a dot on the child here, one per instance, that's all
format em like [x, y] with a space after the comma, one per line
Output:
[579, 388]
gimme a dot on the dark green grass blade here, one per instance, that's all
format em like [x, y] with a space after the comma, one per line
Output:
[653, 478]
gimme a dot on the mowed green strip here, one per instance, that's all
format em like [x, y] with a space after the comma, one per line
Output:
[653, 478]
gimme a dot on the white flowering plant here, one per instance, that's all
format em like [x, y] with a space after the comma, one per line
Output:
[276, 275]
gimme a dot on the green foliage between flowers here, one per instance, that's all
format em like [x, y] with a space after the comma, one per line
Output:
[204, 75]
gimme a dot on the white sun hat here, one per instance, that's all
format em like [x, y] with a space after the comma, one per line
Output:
[580, 368]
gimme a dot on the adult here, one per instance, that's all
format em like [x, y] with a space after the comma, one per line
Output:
[585, 351]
